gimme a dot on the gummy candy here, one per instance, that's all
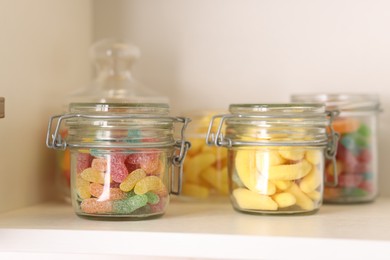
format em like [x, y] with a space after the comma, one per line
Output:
[130, 204]
[289, 171]
[94, 206]
[102, 193]
[82, 188]
[99, 164]
[83, 161]
[150, 183]
[284, 199]
[152, 198]
[247, 199]
[132, 179]
[302, 200]
[160, 206]
[93, 175]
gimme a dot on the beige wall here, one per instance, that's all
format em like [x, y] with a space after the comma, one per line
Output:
[206, 53]
[43, 55]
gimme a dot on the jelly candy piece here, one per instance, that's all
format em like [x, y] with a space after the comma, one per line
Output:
[134, 135]
[348, 141]
[314, 195]
[130, 164]
[103, 193]
[130, 204]
[331, 193]
[150, 162]
[247, 199]
[355, 192]
[133, 159]
[152, 198]
[368, 186]
[93, 175]
[311, 181]
[150, 183]
[364, 156]
[303, 200]
[264, 159]
[314, 156]
[364, 130]
[82, 188]
[284, 199]
[245, 163]
[117, 169]
[345, 125]
[160, 206]
[132, 179]
[99, 164]
[293, 154]
[282, 185]
[197, 164]
[330, 169]
[83, 162]
[195, 190]
[196, 146]
[287, 172]
[218, 179]
[350, 180]
[94, 206]
[368, 176]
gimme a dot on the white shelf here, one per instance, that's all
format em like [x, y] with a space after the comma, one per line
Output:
[204, 230]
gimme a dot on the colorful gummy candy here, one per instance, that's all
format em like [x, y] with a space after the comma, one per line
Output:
[277, 179]
[356, 168]
[120, 183]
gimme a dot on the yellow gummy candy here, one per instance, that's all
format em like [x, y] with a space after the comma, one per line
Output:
[217, 179]
[282, 185]
[82, 187]
[293, 154]
[132, 179]
[314, 156]
[197, 164]
[93, 175]
[290, 172]
[314, 195]
[149, 183]
[284, 199]
[303, 200]
[246, 169]
[194, 190]
[196, 146]
[311, 181]
[247, 199]
[265, 159]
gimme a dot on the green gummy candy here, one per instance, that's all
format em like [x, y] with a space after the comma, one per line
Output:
[349, 142]
[355, 192]
[152, 198]
[130, 204]
[364, 130]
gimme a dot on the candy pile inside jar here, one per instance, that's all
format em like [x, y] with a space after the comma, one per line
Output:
[205, 168]
[277, 179]
[120, 182]
[355, 165]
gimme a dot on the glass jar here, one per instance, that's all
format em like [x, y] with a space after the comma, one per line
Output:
[121, 157]
[113, 83]
[357, 155]
[275, 156]
[205, 168]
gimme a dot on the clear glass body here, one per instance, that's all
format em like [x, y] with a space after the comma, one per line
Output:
[357, 159]
[120, 166]
[268, 172]
[205, 168]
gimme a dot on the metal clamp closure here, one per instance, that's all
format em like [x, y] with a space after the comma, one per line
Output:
[331, 149]
[182, 147]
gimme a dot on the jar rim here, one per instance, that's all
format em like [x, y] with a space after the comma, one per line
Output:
[342, 101]
[278, 108]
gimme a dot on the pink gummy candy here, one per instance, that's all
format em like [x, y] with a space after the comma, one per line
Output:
[83, 161]
[93, 206]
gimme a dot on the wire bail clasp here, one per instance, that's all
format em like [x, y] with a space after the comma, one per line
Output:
[182, 147]
[331, 149]
[217, 138]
